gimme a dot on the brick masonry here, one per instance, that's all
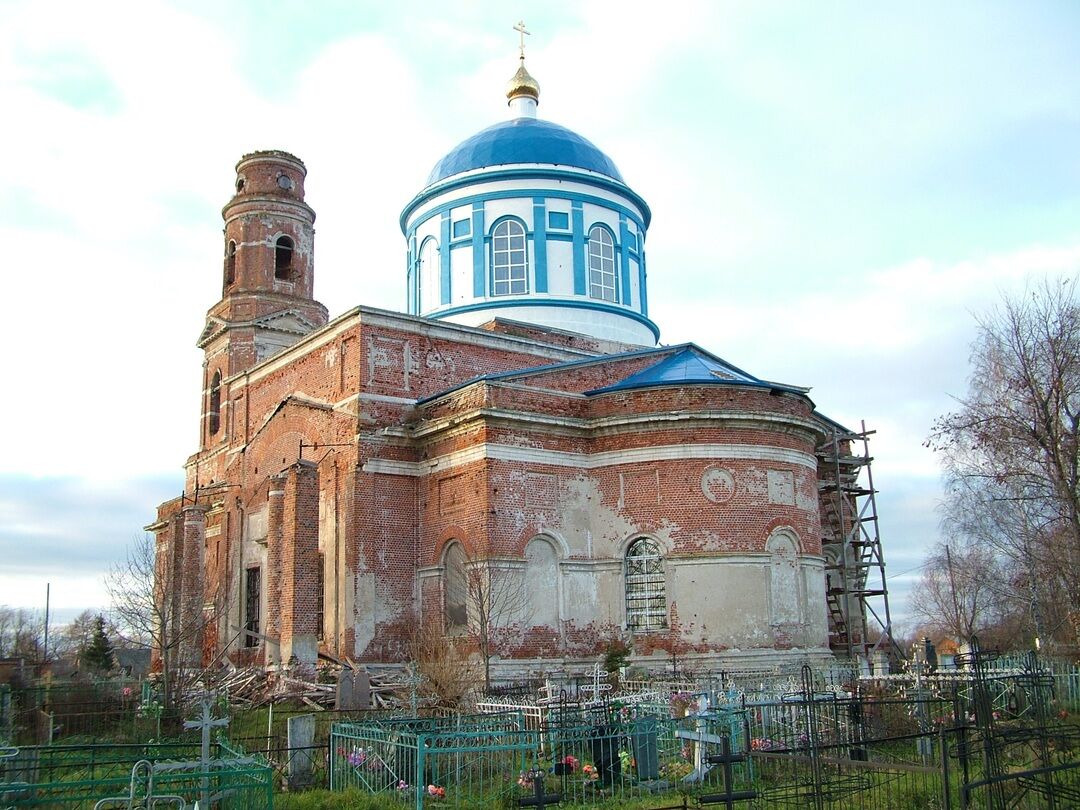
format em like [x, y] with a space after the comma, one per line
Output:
[368, 445]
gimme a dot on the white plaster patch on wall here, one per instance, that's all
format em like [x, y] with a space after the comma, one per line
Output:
[360, 604]
[781, 485]
[521, 441]
[256, 526]
[755, 483]
[806, 492]
[542, 584]
[711, 542]
[594, 529]
[717, 484]
[593, 461]
[783, 582]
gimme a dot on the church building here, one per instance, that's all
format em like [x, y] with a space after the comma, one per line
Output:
[515, 450]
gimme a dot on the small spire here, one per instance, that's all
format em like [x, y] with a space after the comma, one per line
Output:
[523, 91]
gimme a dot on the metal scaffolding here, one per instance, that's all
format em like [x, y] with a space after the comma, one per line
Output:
[856, 593]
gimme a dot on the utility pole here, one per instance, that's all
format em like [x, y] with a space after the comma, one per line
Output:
[952, 589]
[45, 651]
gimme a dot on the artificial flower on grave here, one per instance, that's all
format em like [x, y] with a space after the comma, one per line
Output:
[681, 702]
[764, 744]
[402, 785]
[589, 771]
[357, 757]
[570, 763]
[436, 792]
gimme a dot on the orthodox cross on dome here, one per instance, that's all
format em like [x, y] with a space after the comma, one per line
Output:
[523, 91]
[520, 28]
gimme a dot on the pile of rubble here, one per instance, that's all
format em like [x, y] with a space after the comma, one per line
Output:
[332, 687]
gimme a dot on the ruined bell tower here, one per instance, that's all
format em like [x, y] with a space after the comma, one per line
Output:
[267, 293]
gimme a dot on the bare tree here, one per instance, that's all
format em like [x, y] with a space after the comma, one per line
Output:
[148, 614]
[21, 633]
[1011, 451]
[960, 592]
[485, 600]
[75, 636]
[447, 672]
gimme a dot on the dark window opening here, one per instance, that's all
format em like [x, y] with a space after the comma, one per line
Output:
[239, 184]
[252, 599]
[215, 403]
[230, 263]
[320, 597]
[283, 259]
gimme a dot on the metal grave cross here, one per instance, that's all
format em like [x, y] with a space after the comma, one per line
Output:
[729, 796]
[205, 722]
[539, 799]
[699, 736]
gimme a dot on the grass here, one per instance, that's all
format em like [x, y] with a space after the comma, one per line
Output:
[356, 800]
[333, 800]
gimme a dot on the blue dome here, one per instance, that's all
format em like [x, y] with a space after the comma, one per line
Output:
[524, 140]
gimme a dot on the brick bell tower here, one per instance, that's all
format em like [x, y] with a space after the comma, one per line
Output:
[267, 301]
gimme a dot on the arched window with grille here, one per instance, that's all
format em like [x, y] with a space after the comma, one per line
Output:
[283, 259]
[646, 597]
[601, 264]
[509, 259]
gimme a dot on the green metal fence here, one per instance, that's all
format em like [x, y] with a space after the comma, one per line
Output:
[80, 776]
[480, 762]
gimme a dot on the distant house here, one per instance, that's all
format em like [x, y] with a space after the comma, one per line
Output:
[134, 663]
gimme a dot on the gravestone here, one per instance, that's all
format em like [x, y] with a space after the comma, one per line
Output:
[605, 754]
[643, 741]
[301, 735]
[362, 689]
[353, 690]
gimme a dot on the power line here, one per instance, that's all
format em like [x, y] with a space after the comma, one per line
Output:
[910, 570]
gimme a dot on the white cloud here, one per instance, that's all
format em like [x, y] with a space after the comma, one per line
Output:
[785, 152]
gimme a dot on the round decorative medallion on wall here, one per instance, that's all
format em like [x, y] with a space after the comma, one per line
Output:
[717, 484]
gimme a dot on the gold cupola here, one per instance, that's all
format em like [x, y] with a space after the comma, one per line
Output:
[523, 84]
[522, 91]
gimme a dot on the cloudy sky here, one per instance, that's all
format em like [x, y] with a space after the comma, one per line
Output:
[837, 188]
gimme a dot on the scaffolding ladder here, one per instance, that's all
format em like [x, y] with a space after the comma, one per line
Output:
[856, 592]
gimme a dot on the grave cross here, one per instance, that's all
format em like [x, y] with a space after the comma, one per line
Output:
[205, 722]
[729, 796]
[700, 738]
[597, 686]
[539, 799]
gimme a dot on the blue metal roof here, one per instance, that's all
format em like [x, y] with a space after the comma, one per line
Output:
[691, 365]
[524, 140]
